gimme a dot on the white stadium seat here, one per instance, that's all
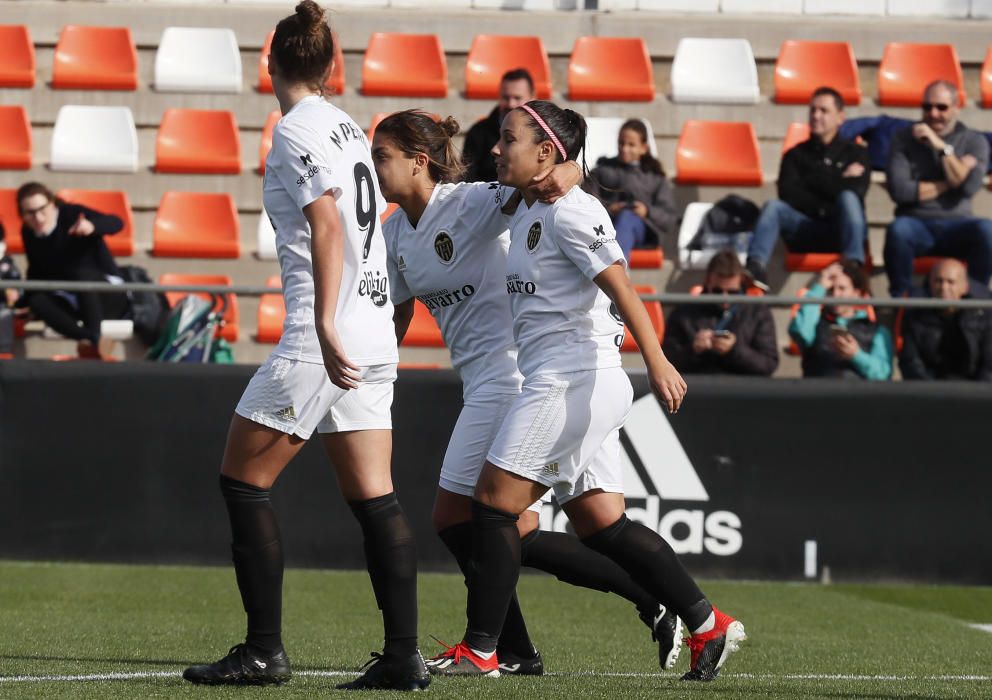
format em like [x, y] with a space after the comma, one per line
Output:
[266, 248]
[931, 8]
[520, 4]
[601, 138]
[194, 59]
[714, 70]
[782, 7]
[94, 139]
[679, 5]
[844, 7]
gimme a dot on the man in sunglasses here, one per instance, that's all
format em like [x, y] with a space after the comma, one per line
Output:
[821, 188]
[936, 167]
[723, 338]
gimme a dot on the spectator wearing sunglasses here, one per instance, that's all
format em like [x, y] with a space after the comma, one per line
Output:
[723, 338]
[935, 168]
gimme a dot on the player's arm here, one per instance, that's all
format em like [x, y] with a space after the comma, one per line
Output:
[402, 316]
[327, 251]
[666, 382]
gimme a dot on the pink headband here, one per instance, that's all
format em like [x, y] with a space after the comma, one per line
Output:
[547, 129]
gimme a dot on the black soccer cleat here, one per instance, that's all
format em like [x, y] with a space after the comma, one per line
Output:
[711, 649]
[243, 666]
[516, 665]
[391, 673]
[666, 629]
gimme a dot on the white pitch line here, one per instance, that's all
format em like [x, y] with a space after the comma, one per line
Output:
[981, 627]
[140, 675]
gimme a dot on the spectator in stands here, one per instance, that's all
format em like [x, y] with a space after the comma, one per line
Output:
[8, 271]
[515, 88]
[841, 340]
[935, 169]
[64, 241]
[948, 343]
[821, 187]
[633, 188]
[722, 338]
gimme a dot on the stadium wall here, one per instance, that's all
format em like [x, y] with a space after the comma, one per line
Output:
[105, 462]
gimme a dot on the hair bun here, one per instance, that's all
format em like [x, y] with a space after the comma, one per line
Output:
[310, 13]
[449, 125]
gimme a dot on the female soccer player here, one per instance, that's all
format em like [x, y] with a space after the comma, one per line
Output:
[447, 247]
[569, 297]
[332, 372]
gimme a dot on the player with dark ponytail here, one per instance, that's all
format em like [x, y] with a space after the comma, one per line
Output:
[570, 296]
[332, 372]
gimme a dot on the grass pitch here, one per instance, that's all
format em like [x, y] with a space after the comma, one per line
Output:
[89, 631]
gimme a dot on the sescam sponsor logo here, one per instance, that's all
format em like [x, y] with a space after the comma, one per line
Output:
[656, 468]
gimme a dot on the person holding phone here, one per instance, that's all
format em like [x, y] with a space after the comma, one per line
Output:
[723, 338]
[936, 167]
[842, 340]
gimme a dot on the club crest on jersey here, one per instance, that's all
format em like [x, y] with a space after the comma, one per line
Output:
[533, 236]
[444, 247]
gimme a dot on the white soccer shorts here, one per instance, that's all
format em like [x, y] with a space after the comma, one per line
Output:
[475, 429]
[297, 398]
[563, 431]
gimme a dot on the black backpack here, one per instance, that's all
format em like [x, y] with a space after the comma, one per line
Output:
[726, 224]
[149, 310]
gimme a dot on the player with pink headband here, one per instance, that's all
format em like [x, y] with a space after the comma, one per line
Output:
[570, 296]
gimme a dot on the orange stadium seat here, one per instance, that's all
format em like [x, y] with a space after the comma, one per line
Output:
[814, 262]
[335, 81]
[657, 320]
[229, 331]
[10, 217]
[405, 65]
[492, 55]
[108, 202]
[266, 145]
[196, 225]
[795, 135]
[986, 80]
[390, 208]
[922, 265]
[646, 258]
[717, 153]
[198, 141]
[803, 66]
[16, 56]
[376, 118]
[95, 58]
[423, 331]
[908, 68]
[15, 138]
[271, 313]
[610, 68]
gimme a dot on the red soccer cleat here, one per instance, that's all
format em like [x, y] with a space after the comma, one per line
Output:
[711, 649]
[460, 660]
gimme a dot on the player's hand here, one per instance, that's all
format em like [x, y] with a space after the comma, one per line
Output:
[342, 373]
[722, 344]
[846, 346]
[703, 341]
[855, 169]
[81, 226]
[640, 208]
[555, 183]
[668, 385]
[924, 134]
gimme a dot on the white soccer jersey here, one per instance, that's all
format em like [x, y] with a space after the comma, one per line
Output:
[454, 262]
[317, 148]
[563, 322]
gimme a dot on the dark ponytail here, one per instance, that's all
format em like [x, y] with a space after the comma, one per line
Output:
[303, 46]
[414, 132]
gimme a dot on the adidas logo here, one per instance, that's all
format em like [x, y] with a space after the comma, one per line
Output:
[656, 468]
[401, 264]
[288, 413]
[551, 469]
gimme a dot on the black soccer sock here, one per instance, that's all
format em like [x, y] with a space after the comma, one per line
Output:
[514, 637]
[258, 563]
[569, 560]
[493, 572]
[391, 558]
[650, 561]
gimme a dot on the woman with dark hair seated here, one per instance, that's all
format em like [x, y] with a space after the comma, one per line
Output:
[64, 242]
